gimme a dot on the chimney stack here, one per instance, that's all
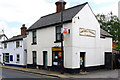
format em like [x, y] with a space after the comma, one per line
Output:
[23, 29]
[58, 5]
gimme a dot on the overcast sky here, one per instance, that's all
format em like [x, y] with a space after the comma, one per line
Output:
[14, 13]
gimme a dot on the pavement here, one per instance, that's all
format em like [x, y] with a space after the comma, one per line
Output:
[93, 74]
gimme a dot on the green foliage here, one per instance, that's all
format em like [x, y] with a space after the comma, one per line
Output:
[74, 73]
[118, 46]
[111, 24]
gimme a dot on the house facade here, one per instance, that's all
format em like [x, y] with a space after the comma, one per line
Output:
[84, 46]
[3, 37]
[15, 50]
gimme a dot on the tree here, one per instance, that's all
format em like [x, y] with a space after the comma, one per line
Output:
[118, 47]
[111, 24]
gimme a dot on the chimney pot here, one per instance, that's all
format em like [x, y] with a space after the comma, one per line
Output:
[23, 25]
[23, 29]
[58, 5]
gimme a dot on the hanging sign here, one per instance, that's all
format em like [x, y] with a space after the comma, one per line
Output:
[65, 30]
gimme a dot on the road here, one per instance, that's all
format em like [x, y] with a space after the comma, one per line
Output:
[94, 75]
[8, 73]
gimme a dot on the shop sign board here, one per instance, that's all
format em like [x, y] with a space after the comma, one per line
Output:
[56, 49]
[87, 32]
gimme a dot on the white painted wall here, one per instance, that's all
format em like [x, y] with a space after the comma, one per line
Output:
[73, 42]
[25, 50]
[91, 45]
[45, 41]
[2, 39]
[12, 50]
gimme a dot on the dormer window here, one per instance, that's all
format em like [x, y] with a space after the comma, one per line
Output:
[17, 44]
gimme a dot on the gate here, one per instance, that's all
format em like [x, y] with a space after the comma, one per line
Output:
[108, 60]
[116, 61]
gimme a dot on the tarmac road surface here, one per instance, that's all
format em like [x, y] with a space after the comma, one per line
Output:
[8, 73]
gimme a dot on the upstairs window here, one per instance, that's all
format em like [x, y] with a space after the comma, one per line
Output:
[17, 44]
[58, 33]
[34, 37]
[5, 45]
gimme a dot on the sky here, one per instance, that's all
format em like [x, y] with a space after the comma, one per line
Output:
[14, 13]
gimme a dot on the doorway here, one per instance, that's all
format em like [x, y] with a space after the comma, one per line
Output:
[34, 59]
[82, 61]
[45, 59]
[5, 57]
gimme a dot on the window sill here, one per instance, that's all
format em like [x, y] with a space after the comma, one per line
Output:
[57, 41]
[18, 46]
[33, 43]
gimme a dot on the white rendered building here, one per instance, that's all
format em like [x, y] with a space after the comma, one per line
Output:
[84, 45]
[15, 50]
[3, 37]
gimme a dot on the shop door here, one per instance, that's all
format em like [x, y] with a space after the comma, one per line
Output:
[56, 60]
[45, 59]
[82, 61]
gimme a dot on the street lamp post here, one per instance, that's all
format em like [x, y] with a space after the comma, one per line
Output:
[62, 59]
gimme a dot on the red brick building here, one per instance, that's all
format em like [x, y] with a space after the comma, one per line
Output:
[114, 44]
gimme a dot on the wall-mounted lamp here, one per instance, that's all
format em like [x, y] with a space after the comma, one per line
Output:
[77, 18]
